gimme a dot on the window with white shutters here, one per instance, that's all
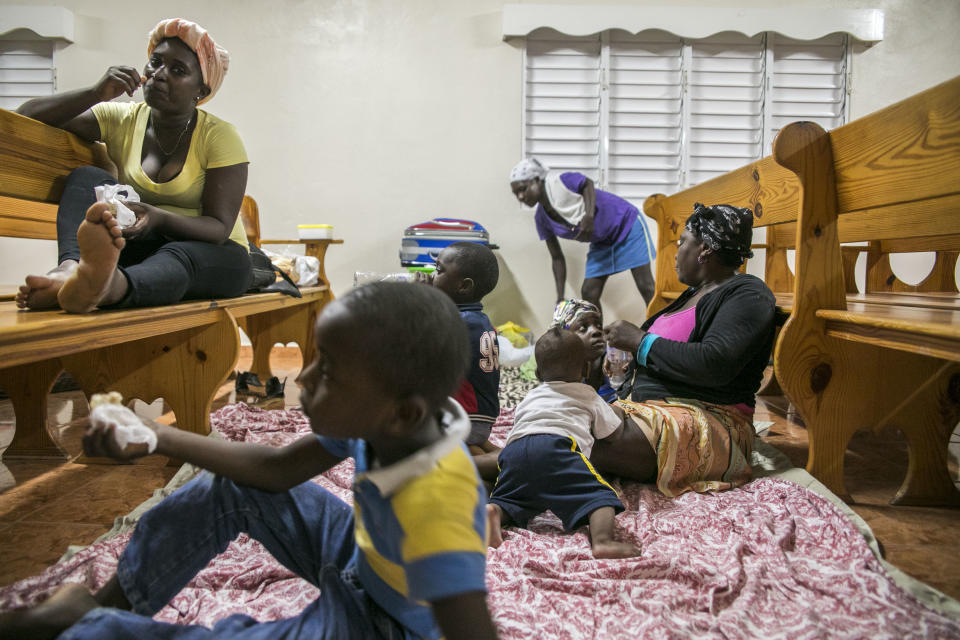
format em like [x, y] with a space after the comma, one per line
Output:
[808, 81]
[644, 136]
[724, 127]
[654, 113]
[26, 71]
[561, 119]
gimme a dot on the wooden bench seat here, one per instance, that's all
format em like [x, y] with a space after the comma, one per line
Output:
[181, 352]
[931, 332]
[933, 300]
[848, 359]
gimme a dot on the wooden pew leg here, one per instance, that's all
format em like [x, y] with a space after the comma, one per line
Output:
[836, 397]
[928, 420]
[185, 368]
[28, 386]
[289, 324]
[828, 433]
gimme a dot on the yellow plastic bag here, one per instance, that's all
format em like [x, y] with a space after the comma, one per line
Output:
[517, 335]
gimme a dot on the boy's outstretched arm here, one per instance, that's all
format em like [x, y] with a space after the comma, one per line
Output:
[464, 617]
[253, 465]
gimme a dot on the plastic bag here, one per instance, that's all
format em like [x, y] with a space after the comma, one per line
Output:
[528, 370]
[303, 270]
[308, 270]
[518, 336]
[116, 195]
[511, 356]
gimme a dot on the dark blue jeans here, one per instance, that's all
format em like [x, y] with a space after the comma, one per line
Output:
[159, 270]
[307, 529]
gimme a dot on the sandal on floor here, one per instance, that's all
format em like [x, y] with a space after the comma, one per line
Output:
[274, 388]
[249, 382]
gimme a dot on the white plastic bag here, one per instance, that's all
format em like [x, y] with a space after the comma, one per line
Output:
[308, 268]
[116, 195]
[303, 270]
[511, 356]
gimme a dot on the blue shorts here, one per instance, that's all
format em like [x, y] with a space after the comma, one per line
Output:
[546, 471]
[633, 251]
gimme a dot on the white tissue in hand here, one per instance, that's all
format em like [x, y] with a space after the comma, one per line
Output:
[128, 428]
[115, 195]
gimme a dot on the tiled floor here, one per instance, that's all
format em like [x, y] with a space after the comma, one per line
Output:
[55, 503]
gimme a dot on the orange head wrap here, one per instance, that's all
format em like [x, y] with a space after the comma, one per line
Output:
[213, 58]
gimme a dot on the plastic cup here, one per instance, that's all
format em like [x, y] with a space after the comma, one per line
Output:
[616, 359]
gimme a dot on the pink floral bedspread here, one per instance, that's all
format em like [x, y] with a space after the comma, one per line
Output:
[770, 559]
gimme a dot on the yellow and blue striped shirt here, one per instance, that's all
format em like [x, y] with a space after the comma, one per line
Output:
[420, 524]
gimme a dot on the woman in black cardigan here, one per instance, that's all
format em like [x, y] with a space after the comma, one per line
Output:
[689, 394]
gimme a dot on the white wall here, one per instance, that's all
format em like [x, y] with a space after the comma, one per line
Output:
[372, 115]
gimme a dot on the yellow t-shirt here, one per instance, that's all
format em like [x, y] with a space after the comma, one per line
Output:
[214, 144]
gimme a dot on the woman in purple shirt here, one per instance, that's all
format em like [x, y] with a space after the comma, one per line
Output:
[568, 206]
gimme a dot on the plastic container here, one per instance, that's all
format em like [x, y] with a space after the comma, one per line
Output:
[616, 359]
[315, 231]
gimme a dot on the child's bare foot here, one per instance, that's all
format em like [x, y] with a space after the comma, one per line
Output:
[40, 292]
[49, 618]
[96, 280]
[614, 549]
[494, 517]
[602, 542]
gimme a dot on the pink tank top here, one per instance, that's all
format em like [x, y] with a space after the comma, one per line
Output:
[678, 327]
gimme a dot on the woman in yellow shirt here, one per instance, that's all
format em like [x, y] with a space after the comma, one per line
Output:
[188, 167]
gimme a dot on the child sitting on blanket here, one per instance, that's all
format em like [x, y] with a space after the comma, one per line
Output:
[407, 560]
[467, 271]
[583, 318]
[545, 464]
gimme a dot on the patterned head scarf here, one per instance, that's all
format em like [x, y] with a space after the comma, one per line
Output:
[726, 229]
[213, 58]
[568, 311]
[527, 169]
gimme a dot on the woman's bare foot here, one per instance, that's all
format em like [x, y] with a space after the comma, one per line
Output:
[49, 618]
[494, 517]
[40, 292]
[96, 280]
[613, 549]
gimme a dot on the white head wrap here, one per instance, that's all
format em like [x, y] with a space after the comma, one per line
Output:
[527, 169]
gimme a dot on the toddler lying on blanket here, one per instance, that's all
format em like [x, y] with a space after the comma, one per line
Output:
[408, 560]
[544, 464]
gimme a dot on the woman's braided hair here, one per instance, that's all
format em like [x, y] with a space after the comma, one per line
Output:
[726, 229]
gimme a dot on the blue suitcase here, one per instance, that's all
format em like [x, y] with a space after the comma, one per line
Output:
[423, 242]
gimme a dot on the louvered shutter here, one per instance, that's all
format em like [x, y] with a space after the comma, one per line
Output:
[26, 71]
[650, 113]
[724, 121]
[808, 82]
[644, 114]
[562, 102]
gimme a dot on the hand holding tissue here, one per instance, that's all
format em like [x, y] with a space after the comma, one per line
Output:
[107, 411]
[116, 195]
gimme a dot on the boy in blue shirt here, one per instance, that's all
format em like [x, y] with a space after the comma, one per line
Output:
[468, 271]
[393, 566]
